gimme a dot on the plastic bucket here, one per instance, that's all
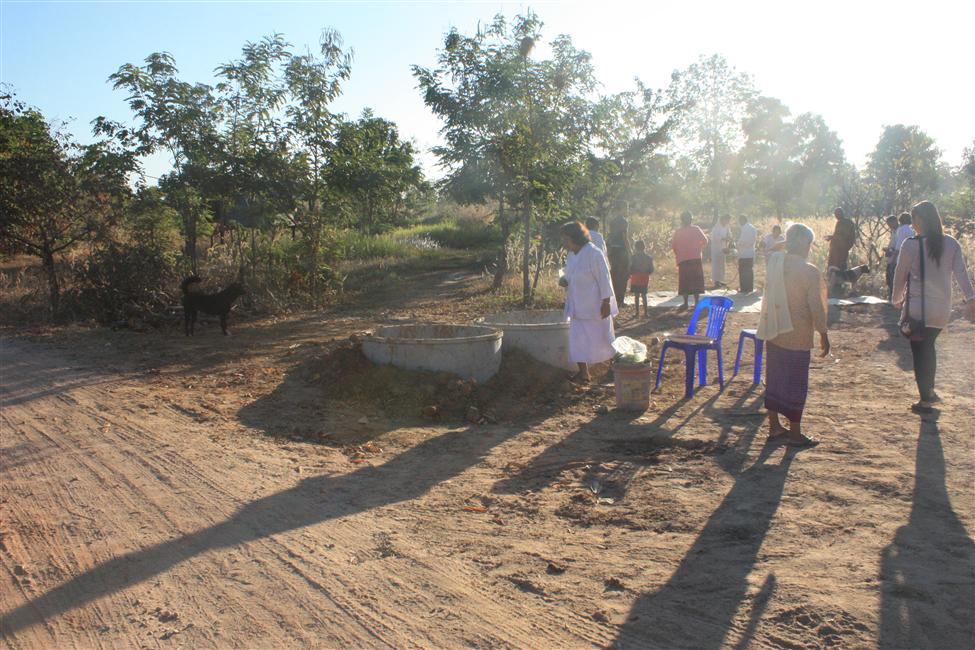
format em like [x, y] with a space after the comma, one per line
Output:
[633, 382]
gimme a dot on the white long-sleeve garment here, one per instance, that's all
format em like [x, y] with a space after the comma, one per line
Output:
[598, 241]
[718, 236]
[590, 335]
[775, 318]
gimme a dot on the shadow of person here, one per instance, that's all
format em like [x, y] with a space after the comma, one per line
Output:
[697, 605]
[630, 441]
[895, 341]
[928, 571]
[312, 501]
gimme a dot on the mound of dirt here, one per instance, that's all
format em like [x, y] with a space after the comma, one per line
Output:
[523, 388]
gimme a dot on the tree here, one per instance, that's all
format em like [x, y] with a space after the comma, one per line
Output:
[314, 81]
[792, 166]
[819, 153]
[474, 92]
[373, 170]
[175, 116]
[768, 157]
[53, 192]
[903, 168]
[517, 123]
[715, 98]
[624, 159]
[957, 203]
[251, 166]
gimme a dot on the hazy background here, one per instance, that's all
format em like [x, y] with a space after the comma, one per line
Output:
[859, 64]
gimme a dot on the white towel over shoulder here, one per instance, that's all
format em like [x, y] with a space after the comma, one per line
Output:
[775, 318]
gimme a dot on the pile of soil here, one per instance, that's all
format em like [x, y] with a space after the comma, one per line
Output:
[524, 387]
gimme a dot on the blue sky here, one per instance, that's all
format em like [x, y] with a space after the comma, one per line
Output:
[859, 64]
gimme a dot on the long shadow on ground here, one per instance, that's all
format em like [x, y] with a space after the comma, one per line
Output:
[313, 500]
[928, 571]
[699, 602]
[628, 440]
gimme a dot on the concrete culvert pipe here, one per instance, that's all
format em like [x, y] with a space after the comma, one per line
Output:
[541, 333]
[468, 351]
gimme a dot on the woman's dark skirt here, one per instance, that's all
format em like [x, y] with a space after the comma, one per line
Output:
[786, 381]
[619, 271]
[690, 277]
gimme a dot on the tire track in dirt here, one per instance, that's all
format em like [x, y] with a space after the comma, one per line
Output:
[123, 481]
[137, 484]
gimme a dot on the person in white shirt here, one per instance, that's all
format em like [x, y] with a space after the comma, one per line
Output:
[747, 239]
[904, 232]
[773, 242]
[592, 224]
[590, 303]
[720, 237]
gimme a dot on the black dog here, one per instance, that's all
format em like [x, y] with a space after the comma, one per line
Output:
[215, 304]
[848, 275]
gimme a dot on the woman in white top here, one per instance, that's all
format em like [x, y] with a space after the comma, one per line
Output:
[590, 304]
[943, 258]
[720, 237]
[592, 224]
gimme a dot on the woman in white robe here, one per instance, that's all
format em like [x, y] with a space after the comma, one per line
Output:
[720, 237]
[590, 304]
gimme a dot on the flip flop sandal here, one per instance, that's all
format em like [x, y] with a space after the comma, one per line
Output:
[920, 408]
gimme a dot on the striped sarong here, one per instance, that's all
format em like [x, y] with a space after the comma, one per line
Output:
[690, 277]
[786, 381]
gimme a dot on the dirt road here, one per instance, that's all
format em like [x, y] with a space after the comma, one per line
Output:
[161, 493]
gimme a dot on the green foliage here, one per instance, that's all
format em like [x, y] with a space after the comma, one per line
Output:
[120, 279]
[461, 234]
[53, 192]
[624, 160]
[417, 240]
[515, 127]
[714, 98]
[903, 168]
[373, 172]
[793, 167]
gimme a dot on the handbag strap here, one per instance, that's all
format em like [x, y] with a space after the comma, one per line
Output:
[920, 243]
[907, 302]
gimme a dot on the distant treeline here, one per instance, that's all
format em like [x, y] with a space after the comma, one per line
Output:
[260, 157]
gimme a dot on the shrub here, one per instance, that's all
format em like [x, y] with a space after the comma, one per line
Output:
[119, 280]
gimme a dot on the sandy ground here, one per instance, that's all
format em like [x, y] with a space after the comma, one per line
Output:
[165, 492]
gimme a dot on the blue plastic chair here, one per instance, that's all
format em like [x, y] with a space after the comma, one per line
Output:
[759, 348]
[718, 308]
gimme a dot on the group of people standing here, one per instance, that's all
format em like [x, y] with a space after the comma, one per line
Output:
[921, 266]
[690, 242]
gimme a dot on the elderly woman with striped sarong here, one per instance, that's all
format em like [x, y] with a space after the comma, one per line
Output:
[793, 309]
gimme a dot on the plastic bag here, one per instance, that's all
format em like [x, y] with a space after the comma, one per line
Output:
[629, 350]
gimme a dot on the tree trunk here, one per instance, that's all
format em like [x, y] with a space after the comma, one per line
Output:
[501, 269]
[54, 288]
[190, 251]
[539, 261]
[526, 255]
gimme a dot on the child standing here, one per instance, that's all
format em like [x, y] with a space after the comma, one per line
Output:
[641, 268]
